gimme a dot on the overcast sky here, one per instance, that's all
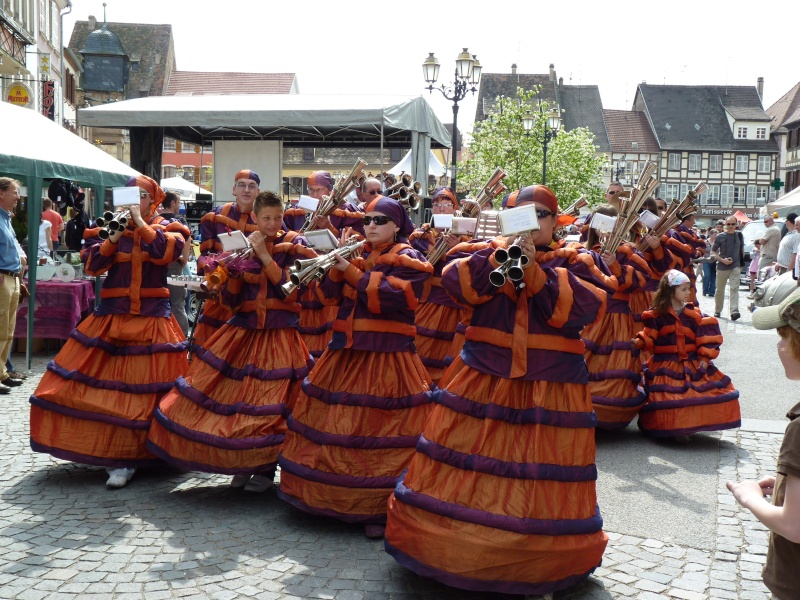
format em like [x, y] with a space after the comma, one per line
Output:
[378, 47]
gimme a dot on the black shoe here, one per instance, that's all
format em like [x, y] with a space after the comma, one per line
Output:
[17, 375]
[716, 315]
[735, 316]
[11, 382]
[4, 389]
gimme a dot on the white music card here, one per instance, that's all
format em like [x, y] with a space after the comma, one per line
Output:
[442, 221]
[235, 240]
[125, 196]
[321, 239]
[307, 203]
[519, 220]
[648, 219]
[464, 226]
[603, 223]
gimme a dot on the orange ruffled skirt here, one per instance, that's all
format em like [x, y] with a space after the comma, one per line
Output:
[228, 414]
[95, 402]
[214, 316]
[684, 398]
[615, 370]
[315, 323]
[436, 326]
[500, 495]
[352, 432]
[641, 300]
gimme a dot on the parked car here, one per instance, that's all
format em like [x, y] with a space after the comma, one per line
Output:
[751, 232]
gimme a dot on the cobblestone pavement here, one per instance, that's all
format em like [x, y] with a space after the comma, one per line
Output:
[177, 535]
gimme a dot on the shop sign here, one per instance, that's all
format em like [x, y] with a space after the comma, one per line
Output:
[19, 94]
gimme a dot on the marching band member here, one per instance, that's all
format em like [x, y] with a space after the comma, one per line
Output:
[232, 216]
[685, 246]
[227, 414]
[95, 402]
[438, 315]
[500, 494]
[615, 370]
[686, 393]
[354, 427]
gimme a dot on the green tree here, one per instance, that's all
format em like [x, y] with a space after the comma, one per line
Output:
[573, 168]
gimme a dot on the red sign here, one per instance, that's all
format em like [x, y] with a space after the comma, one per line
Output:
[49, 100]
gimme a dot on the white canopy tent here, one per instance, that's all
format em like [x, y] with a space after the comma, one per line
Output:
[294, 120]
[185, 189]
[789, 200]
[34, 149]
[406, 165]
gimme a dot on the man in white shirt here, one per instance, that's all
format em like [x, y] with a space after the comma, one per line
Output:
[770, 243]
[787, 251]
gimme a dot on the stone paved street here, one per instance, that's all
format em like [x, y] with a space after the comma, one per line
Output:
[177, 535]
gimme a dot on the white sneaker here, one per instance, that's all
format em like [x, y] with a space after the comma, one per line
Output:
[118, 478]
[751, 296]
[239, 481]
[258, 483]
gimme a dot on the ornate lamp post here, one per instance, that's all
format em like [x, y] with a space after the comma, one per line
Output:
[551, 126]
[467, 78]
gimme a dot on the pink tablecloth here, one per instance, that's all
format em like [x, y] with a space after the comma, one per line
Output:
[59, 308]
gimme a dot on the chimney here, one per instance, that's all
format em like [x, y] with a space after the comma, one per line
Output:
[760, 87]
[92, 22]
[552, 72]
[560, 81]
[514, 69]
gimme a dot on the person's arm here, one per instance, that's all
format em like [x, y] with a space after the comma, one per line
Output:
[782, 520]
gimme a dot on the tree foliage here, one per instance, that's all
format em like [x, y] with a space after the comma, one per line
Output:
[573, 168]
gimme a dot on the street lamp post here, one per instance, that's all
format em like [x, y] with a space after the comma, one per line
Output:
[467, 78]
[551, 126]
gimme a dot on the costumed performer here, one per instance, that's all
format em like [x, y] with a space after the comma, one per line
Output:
[687, 246]
[227, 414]
[500, 495]
[95, 402]
[686, 393]
[354, 426]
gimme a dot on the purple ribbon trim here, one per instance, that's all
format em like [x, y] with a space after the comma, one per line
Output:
[84, 415]
[311, 305]
[606, 349]
[116, 386]
[432, 363]
[314, 330]
[211, 405]
[316, 354]
[210, 321]
[350, 441]
[525, 526]
[215, 441]
[688, 430]
[87, 459]
[367, 400]
[114, 350]
[636, 400]
[327, 512]
[501, 468]
[709, 400]
[336, 479]
[250, 370]
[526, 416]
[435, 333]
[616, 374]
[188, 465]
[483, 585]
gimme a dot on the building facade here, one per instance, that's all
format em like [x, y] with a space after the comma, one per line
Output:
[785, 124]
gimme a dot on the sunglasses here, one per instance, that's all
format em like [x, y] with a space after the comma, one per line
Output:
[730, 224]
[378, 220]
[143, 194]
[543, 214]
[373, 192]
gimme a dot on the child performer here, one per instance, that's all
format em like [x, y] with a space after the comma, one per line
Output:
[95, 402]
[500, 495]
[615, 370]
[755, 256]
[356, 423]
[438, 315]
[686, 393]
[227, 414]
[782, 515]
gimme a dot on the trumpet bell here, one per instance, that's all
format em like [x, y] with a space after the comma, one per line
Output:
[499, 276]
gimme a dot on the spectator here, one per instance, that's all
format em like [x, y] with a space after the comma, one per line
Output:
[728, 250]
[170, 207]
[786, 228]
[787, 250]
[10, 270]
[770, 242]
[56, 220]
[755, 254]
[45, 239]
[709, 268]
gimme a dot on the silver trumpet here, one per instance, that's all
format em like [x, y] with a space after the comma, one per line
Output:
[407, 198]
[305, 271]
[112, 221]
[512, 261]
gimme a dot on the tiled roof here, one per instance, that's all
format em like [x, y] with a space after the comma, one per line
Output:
[582, 106]
[786, 109]
[505, 84]
[686, 117]
[152, 43]
[626, 127]
[196, 83]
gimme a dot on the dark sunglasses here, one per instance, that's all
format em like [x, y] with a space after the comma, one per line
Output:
[378, 220]
[543, 214]
[373, 192]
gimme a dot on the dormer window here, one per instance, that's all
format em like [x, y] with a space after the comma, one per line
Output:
[761, 133]
[741, 133]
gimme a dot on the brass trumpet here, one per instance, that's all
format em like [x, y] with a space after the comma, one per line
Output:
[305, 271]
[472, 207]
[574, 209]
[328, 204]
[112, 221]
